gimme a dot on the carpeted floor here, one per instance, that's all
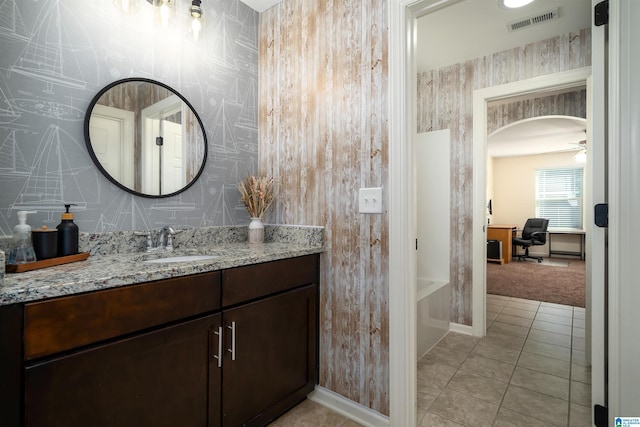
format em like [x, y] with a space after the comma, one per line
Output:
[557, 280]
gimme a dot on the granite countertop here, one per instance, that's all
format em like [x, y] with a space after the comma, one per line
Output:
[113, 270]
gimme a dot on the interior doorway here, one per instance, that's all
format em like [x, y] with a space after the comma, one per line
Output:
[402, 260]
[574, 78]
[536, 167]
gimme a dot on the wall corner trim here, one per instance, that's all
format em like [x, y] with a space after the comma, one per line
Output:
[350, 409]
[460, 328]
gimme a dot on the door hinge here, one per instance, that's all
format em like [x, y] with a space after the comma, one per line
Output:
[601, 215]
[601, 15]
[600, 415]
[416, 244]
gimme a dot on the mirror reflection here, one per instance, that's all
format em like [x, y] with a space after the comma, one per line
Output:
[145, 137]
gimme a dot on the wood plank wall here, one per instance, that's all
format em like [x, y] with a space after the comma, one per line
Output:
[500, 114]
[323, 134]
[445, 101]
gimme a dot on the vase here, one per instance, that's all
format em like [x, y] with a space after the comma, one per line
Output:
[256, 231]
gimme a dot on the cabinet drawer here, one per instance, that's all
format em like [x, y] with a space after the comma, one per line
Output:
[65, 323]
[243, 284]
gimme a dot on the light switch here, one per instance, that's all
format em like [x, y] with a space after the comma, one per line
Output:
[370, 200]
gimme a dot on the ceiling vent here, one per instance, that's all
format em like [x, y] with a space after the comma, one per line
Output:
[549, 15]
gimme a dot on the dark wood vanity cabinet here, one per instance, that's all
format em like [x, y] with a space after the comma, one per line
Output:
[131, 356]
[271, 364]
[233, 348]
[161, 378]
[271, 361]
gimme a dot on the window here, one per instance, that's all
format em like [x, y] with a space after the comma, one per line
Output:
[559, 196]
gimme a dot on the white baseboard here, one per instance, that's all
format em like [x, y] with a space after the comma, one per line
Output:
[350, 409]
[460, 328]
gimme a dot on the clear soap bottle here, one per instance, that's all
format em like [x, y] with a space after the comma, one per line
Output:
[22, 251]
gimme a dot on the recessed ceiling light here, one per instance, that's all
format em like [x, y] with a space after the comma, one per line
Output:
[514, 4]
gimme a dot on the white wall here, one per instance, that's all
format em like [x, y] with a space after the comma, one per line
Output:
[433, 204]
[514, 198]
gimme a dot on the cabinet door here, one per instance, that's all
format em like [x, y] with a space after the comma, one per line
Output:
[270, 361]
[167, 377]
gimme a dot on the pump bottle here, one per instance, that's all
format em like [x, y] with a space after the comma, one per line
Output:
[22, 251]
[67, 234]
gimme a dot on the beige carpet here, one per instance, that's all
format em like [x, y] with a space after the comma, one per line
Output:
[556, 280]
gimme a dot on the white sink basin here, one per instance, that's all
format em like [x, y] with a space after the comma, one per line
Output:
[186, 258]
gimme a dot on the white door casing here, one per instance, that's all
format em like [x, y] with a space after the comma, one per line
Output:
[402, 212]
[565, 79]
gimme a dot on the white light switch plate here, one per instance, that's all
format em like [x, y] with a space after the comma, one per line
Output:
[370, 200]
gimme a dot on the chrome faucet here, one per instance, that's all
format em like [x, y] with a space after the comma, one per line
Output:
[165, 240]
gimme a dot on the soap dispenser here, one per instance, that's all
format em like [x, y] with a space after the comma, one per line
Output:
[22, 251]
[67, 234]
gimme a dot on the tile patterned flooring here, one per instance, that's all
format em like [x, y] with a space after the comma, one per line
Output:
[529, 370]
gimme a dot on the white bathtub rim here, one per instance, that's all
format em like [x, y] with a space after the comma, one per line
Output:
[426, 287]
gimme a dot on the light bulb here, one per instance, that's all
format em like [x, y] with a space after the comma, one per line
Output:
[196, 27]
[513, 4]
[164, 14]
[581, 156]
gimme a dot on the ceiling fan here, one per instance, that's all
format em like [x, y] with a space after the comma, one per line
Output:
[581, 154]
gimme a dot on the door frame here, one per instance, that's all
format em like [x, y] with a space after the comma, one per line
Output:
[402, 203]
[402, 217]
[481, 97]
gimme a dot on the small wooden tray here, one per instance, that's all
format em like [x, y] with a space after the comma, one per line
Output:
[20, 268]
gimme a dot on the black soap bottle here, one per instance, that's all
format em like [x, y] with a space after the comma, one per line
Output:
[67, 234]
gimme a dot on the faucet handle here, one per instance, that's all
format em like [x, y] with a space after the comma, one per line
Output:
[149, 240]
[169, 246]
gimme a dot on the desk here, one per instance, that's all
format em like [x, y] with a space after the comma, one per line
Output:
[580, 233]
[504, 233]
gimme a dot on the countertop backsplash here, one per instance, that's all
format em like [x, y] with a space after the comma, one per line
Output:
[121, 242]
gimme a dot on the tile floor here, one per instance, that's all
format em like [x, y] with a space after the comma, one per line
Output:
[311, 414]
[528, 371]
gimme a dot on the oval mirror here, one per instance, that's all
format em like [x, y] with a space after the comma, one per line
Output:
[145, 137]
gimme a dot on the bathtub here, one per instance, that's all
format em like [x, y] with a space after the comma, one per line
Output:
[433, 300]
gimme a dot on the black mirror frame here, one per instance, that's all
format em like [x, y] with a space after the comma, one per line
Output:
[87, 139]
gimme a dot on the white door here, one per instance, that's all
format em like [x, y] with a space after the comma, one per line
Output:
[173, 166]
[111, 134]
[624, 210]
[163, 165]
[595, 340]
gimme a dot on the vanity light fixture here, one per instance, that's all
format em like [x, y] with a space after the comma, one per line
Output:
[196, 22]
[514, 4]
[165, 9]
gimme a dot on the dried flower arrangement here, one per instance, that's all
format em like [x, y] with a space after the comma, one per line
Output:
[257, 194]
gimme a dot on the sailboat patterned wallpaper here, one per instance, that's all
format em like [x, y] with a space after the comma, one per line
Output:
[57, 54]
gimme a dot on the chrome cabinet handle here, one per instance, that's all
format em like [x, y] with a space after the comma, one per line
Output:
[219, 355]
[233, 340]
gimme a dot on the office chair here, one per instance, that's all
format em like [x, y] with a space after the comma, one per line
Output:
[534, 233]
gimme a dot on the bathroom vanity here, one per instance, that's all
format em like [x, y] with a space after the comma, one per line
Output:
[225, 342]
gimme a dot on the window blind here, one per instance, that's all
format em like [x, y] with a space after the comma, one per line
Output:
[559, 196]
